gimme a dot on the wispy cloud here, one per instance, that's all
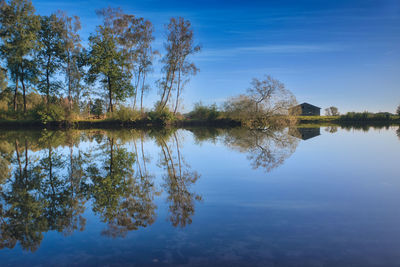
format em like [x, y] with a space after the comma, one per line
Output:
[212, 54]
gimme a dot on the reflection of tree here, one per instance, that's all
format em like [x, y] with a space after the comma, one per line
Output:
[124, 201]
[47, 179]
[398, 133]
[38, 197]
[6, 151]
[178, 179]
[62, 195]
[21, 209]
[331, 129]
[266, 149]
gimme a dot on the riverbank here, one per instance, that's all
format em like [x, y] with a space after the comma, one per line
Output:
[345, 120]
[182, 123]
[116, 124]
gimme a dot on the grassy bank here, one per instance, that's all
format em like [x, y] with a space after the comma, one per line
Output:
[154, 121]
[351, 118]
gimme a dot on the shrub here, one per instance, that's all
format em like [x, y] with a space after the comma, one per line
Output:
[54, 112]
[125, 114]
[366, 116]
[161, 116]
[201, 112]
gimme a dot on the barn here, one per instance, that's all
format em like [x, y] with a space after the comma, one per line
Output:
[305, 109]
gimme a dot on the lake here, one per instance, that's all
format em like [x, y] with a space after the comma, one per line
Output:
[201, 196]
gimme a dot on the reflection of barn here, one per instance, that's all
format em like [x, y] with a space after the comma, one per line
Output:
[305, 109]
[304, 133]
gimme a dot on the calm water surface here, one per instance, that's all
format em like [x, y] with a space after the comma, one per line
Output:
[296, 197]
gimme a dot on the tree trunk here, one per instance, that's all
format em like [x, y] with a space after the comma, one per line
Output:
[136, 90]
[69, 83]
[15, 93]
[165, 86]
[48, 83]
[142, 92]
[23, 91]
[177, 91]
[110, 108]
[169, 91]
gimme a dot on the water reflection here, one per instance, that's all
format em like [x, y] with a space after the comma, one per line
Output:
[304, 133]
[178, 178]
[265, 149]
[50, 178]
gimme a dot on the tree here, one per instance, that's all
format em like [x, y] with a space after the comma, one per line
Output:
[270, 96]
[97, 107]
[240, 107]
[18, 30]
[177, 69]
[145, 55]
[398, 110]
[332, 111]
[134, 36]
[107, 62]
[72, 55]
[51, 54]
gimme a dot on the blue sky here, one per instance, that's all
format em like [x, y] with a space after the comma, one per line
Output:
[344, 53]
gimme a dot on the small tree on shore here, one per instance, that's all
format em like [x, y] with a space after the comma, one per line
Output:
[398, 110]
[332, 111]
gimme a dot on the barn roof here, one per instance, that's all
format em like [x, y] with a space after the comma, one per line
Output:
[305, 103]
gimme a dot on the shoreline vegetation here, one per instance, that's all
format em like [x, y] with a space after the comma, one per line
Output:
[187, 122]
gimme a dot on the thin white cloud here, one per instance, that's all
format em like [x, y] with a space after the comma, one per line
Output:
[212, 54]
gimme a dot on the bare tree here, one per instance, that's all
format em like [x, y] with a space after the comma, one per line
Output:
[270, 96]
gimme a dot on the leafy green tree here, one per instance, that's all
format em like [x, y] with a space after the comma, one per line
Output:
[107, 63]
[398, 110]
[18, 31]
[97, 107]
[134, 37]
[51, 54]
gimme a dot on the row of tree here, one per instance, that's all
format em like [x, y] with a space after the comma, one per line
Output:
[45, 54]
